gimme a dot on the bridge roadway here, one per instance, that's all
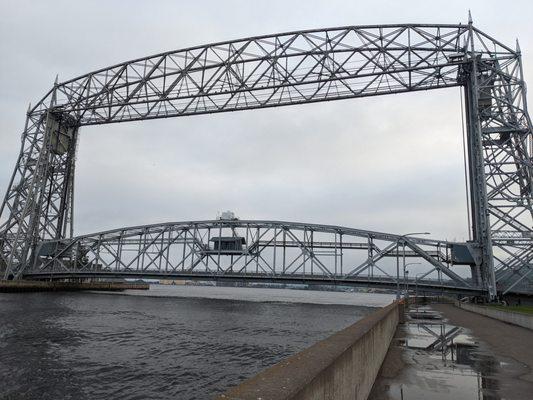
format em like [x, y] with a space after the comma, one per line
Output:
[426, 287]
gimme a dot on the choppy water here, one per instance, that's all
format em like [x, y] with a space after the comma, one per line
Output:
[90, 345]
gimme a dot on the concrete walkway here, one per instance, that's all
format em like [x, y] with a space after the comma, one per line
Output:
[505, 340]
[488, 359]
[507, 343]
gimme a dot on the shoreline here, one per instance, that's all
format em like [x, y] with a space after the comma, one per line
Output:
[262, 295]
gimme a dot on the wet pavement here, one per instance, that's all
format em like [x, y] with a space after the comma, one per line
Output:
[432, 359]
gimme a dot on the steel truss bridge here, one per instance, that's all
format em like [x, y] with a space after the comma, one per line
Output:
[258, 251]
[36, 233]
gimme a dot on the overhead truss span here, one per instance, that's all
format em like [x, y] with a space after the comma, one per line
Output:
[287, 69]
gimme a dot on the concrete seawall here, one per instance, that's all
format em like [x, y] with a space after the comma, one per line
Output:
[523, 320]
[342, 366]
[51, 286]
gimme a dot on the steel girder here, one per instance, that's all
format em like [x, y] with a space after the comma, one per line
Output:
[286, 69]
[272, 249]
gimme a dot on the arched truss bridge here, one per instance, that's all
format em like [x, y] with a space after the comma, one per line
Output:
[260, 251]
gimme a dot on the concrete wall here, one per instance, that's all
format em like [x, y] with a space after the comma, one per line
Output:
[343, 366]
[52, 286]
[511, 317]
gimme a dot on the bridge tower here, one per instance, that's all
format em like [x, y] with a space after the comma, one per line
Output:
[39, 201]
[499, 138]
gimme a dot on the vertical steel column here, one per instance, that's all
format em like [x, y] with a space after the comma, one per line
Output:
[478, 184]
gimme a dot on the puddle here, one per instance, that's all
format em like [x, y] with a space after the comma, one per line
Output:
[442, 361]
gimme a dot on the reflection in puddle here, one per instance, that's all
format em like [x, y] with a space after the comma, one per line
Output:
[443, 362]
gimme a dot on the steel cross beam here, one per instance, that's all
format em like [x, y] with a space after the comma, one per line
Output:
[287, 69]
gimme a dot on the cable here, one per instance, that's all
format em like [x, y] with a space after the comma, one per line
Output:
[465, 166]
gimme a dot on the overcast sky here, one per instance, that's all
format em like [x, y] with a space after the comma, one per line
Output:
[391, 163]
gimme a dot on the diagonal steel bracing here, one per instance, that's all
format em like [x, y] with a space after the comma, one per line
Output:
[270, 248]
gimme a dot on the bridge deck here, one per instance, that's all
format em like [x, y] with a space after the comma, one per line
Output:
[426, 287]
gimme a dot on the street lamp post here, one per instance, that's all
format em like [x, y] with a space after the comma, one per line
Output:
[416, 288]
[397, 273]
[406, 276]
[403, 260]
[406, 283]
